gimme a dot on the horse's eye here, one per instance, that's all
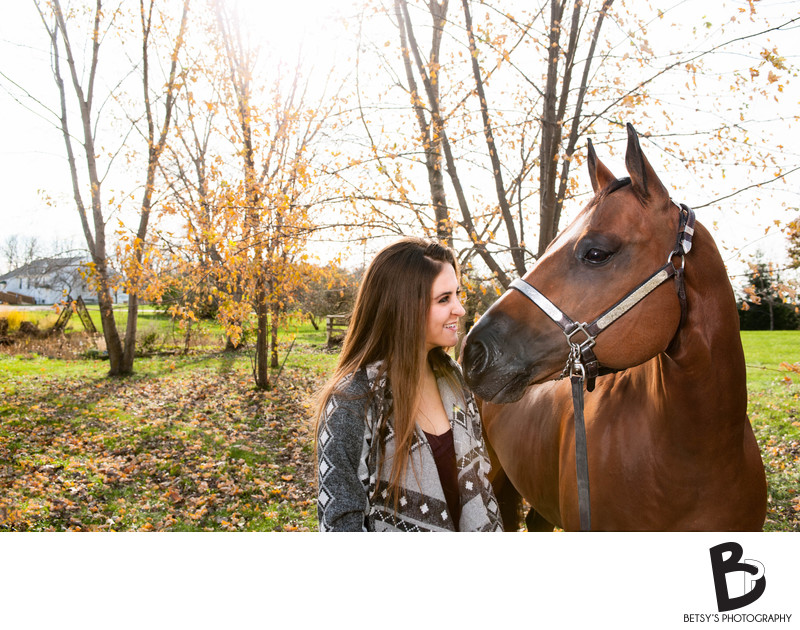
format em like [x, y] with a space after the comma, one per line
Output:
[596, 256]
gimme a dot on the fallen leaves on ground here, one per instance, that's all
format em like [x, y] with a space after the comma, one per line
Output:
[774, 416]
[194, 448]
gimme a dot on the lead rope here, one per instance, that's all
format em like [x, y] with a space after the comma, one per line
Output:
[582, 375]
[577, 377]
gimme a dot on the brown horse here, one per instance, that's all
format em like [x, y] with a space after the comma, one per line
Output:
[670, 446]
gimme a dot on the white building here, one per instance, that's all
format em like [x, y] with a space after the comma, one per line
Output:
[50, 280]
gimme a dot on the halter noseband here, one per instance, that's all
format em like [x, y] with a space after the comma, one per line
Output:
[582, 364]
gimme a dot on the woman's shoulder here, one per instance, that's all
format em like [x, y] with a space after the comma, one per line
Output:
[350, 398]
[454, 365]
[360, 382]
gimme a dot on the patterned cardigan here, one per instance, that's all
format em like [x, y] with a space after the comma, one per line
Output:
[353, 493]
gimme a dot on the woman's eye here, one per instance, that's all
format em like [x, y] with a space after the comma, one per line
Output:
[596, 256]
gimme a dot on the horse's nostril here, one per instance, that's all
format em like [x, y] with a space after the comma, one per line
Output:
[476, 358]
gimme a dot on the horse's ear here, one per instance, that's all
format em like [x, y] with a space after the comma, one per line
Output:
[645, 182]
[598, 173]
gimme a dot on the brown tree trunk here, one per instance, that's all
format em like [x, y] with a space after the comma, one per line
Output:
[436, 117]
[273, 341]
[517, 255]
[129, 344]
[155, 149]
[261, 372]
[110, 332]
[553, 185]
[430, 132]
[120, 354]
[551, 134]
[94, 231]
[239, 68]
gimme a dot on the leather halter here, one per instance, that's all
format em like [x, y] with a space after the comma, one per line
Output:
[582, 364]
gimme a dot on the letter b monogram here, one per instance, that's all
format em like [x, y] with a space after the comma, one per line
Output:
[721, 567]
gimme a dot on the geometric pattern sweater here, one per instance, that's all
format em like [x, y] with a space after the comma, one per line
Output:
[355, 429]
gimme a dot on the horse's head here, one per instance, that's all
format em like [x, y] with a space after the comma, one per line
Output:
[624, 235]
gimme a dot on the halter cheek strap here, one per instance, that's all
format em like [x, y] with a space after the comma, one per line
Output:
[582, 364]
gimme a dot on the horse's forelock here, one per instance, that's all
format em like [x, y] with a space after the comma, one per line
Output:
[611, 188]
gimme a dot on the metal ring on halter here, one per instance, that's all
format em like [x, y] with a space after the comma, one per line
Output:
[671, 257]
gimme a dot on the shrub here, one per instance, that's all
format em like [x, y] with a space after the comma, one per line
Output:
[15, 318]
[148, 341]
[28, 328]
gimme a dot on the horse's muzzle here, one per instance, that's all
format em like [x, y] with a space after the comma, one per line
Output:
[495, 369]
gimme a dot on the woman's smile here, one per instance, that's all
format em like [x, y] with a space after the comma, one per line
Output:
[444, 311]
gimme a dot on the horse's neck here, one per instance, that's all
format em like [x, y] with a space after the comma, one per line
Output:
[706, 359]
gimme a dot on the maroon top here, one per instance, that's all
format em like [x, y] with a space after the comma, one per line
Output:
[444, 453]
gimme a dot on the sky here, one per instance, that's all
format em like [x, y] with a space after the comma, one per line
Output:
[37, 196]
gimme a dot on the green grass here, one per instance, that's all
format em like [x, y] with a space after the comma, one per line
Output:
[31, 364]
[773, 404]
[764, 352]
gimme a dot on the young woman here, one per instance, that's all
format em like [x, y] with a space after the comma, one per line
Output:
[399, 442]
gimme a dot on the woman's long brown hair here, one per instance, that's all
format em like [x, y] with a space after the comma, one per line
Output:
[388, 324]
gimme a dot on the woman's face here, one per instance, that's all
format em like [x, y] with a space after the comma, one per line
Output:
[444, 311]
